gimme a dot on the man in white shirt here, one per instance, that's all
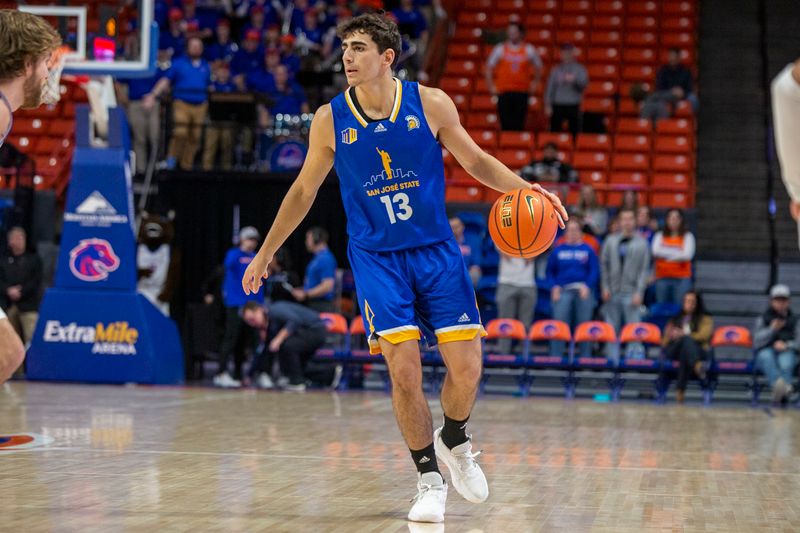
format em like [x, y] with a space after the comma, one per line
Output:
[786, 117]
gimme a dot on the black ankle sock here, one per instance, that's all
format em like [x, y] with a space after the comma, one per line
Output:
[425, 459]
[454, 432]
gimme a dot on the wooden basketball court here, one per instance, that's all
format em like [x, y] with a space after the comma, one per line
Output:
[174, 459]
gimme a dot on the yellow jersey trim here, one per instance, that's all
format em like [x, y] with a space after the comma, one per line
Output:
[460, 335]
[353, 109]
[398, 98]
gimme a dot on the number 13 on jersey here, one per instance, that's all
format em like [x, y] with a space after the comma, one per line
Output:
[400, 202]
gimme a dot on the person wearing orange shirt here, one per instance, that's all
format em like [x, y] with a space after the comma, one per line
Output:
[513, 71]
[673, 250]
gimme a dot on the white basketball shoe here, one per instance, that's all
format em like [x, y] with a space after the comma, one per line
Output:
[467, 476]
[430, 500]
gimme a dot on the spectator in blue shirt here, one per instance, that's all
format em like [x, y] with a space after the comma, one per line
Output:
[219, 135]
[223, 48]
[263, 80]
[309, 37]
[573, 270]
[249, 57]
[189, 78]
[297, 14]
[234, 298]
[288, 96]
[260, 19]
[288, 56]
[172, 42]
[411, 20]
[319, 284]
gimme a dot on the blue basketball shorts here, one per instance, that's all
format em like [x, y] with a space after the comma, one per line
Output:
[417, 293]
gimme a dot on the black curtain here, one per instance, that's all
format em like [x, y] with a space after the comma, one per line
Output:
[204, 206]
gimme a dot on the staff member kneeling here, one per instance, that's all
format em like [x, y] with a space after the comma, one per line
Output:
[296, 332]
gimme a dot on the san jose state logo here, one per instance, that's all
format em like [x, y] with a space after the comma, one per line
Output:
[92, 260]
[412, 122]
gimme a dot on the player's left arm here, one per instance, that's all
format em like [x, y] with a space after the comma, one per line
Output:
[442, 116]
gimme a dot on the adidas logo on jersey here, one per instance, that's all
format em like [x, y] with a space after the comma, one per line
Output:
[380, 128]
[463, 318]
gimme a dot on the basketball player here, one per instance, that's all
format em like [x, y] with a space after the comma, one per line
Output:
[382, 135]
[26, 43]
[786, 115]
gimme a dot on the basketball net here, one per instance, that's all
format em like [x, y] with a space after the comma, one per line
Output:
[51, 91]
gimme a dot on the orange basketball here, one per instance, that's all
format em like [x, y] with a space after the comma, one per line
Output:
[523, 223]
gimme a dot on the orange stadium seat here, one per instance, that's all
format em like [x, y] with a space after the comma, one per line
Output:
[641, 8]
[678, 8]
[472, 18]
[604, 106]
[482, 120]
[641, 39]
[642, 56]
[482, 102]
[464, 193]
[631, 162]
[540, 37]
[638, 73]
[671, 180]
[600, 89]
[678, 24]
[588, 142]
[603, 72]
[605, 38]
[590, 161]
[661, 200]
[632, 143]
[677, 40]
[672, 163]
[627, 106]
[594, 177]
[601, 54]
[461, 68]
[461, 101]
[640, 332]
[609, 7]
[562, 140]
[519, 140]
[607, 22]
[471, 52]
[576, 37]
[673, 145]
[634, 125]
[641, 23]
[576, 6]
[505, 328]
[573, 22]
[638, 179]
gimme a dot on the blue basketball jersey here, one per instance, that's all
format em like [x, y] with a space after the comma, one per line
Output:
[391, 174]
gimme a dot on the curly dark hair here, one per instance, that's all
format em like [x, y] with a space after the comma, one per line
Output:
[380, 28]
[24, 40]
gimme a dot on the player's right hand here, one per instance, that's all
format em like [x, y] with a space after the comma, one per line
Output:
[255, 274]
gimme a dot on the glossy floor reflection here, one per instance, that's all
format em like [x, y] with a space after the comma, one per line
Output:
[164, 459]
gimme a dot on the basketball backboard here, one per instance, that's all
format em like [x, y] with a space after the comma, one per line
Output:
[117, 39]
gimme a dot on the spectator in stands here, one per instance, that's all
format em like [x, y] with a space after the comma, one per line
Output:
[295, 14]
[513, 72]
[172, 41]
[675, 79]
[190, 16]
[470, 255]
[624, 269]
[595, 216]
[219, 134]
[295, 333]
[21, 284]
[309, 40]
[271, 38]
[574, 271]
[646, 225]
[586, 235]
[673, 252]
[550, 168]
[564, 93]
[516, 292]
[189, 78]
[287, 97]
[687, 338]
[223, 49]
[288, 55]
[145, 123]
[414, 27]
[775, 339]
[234, 298]
[319, 286]
[249, 57]
[282, 279]
[258, 22]
[630, 200]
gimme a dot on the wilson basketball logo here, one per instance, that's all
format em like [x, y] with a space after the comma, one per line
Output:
[92, 260]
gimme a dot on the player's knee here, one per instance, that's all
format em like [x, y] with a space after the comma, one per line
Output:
[10, 360]
[406, 376]
[467, 374]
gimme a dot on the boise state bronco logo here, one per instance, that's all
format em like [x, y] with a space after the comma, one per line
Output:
[412, 122]
[23, 441]
[92, 260]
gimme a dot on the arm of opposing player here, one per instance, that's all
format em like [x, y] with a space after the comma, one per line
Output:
[442, 113]
[299, 199]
